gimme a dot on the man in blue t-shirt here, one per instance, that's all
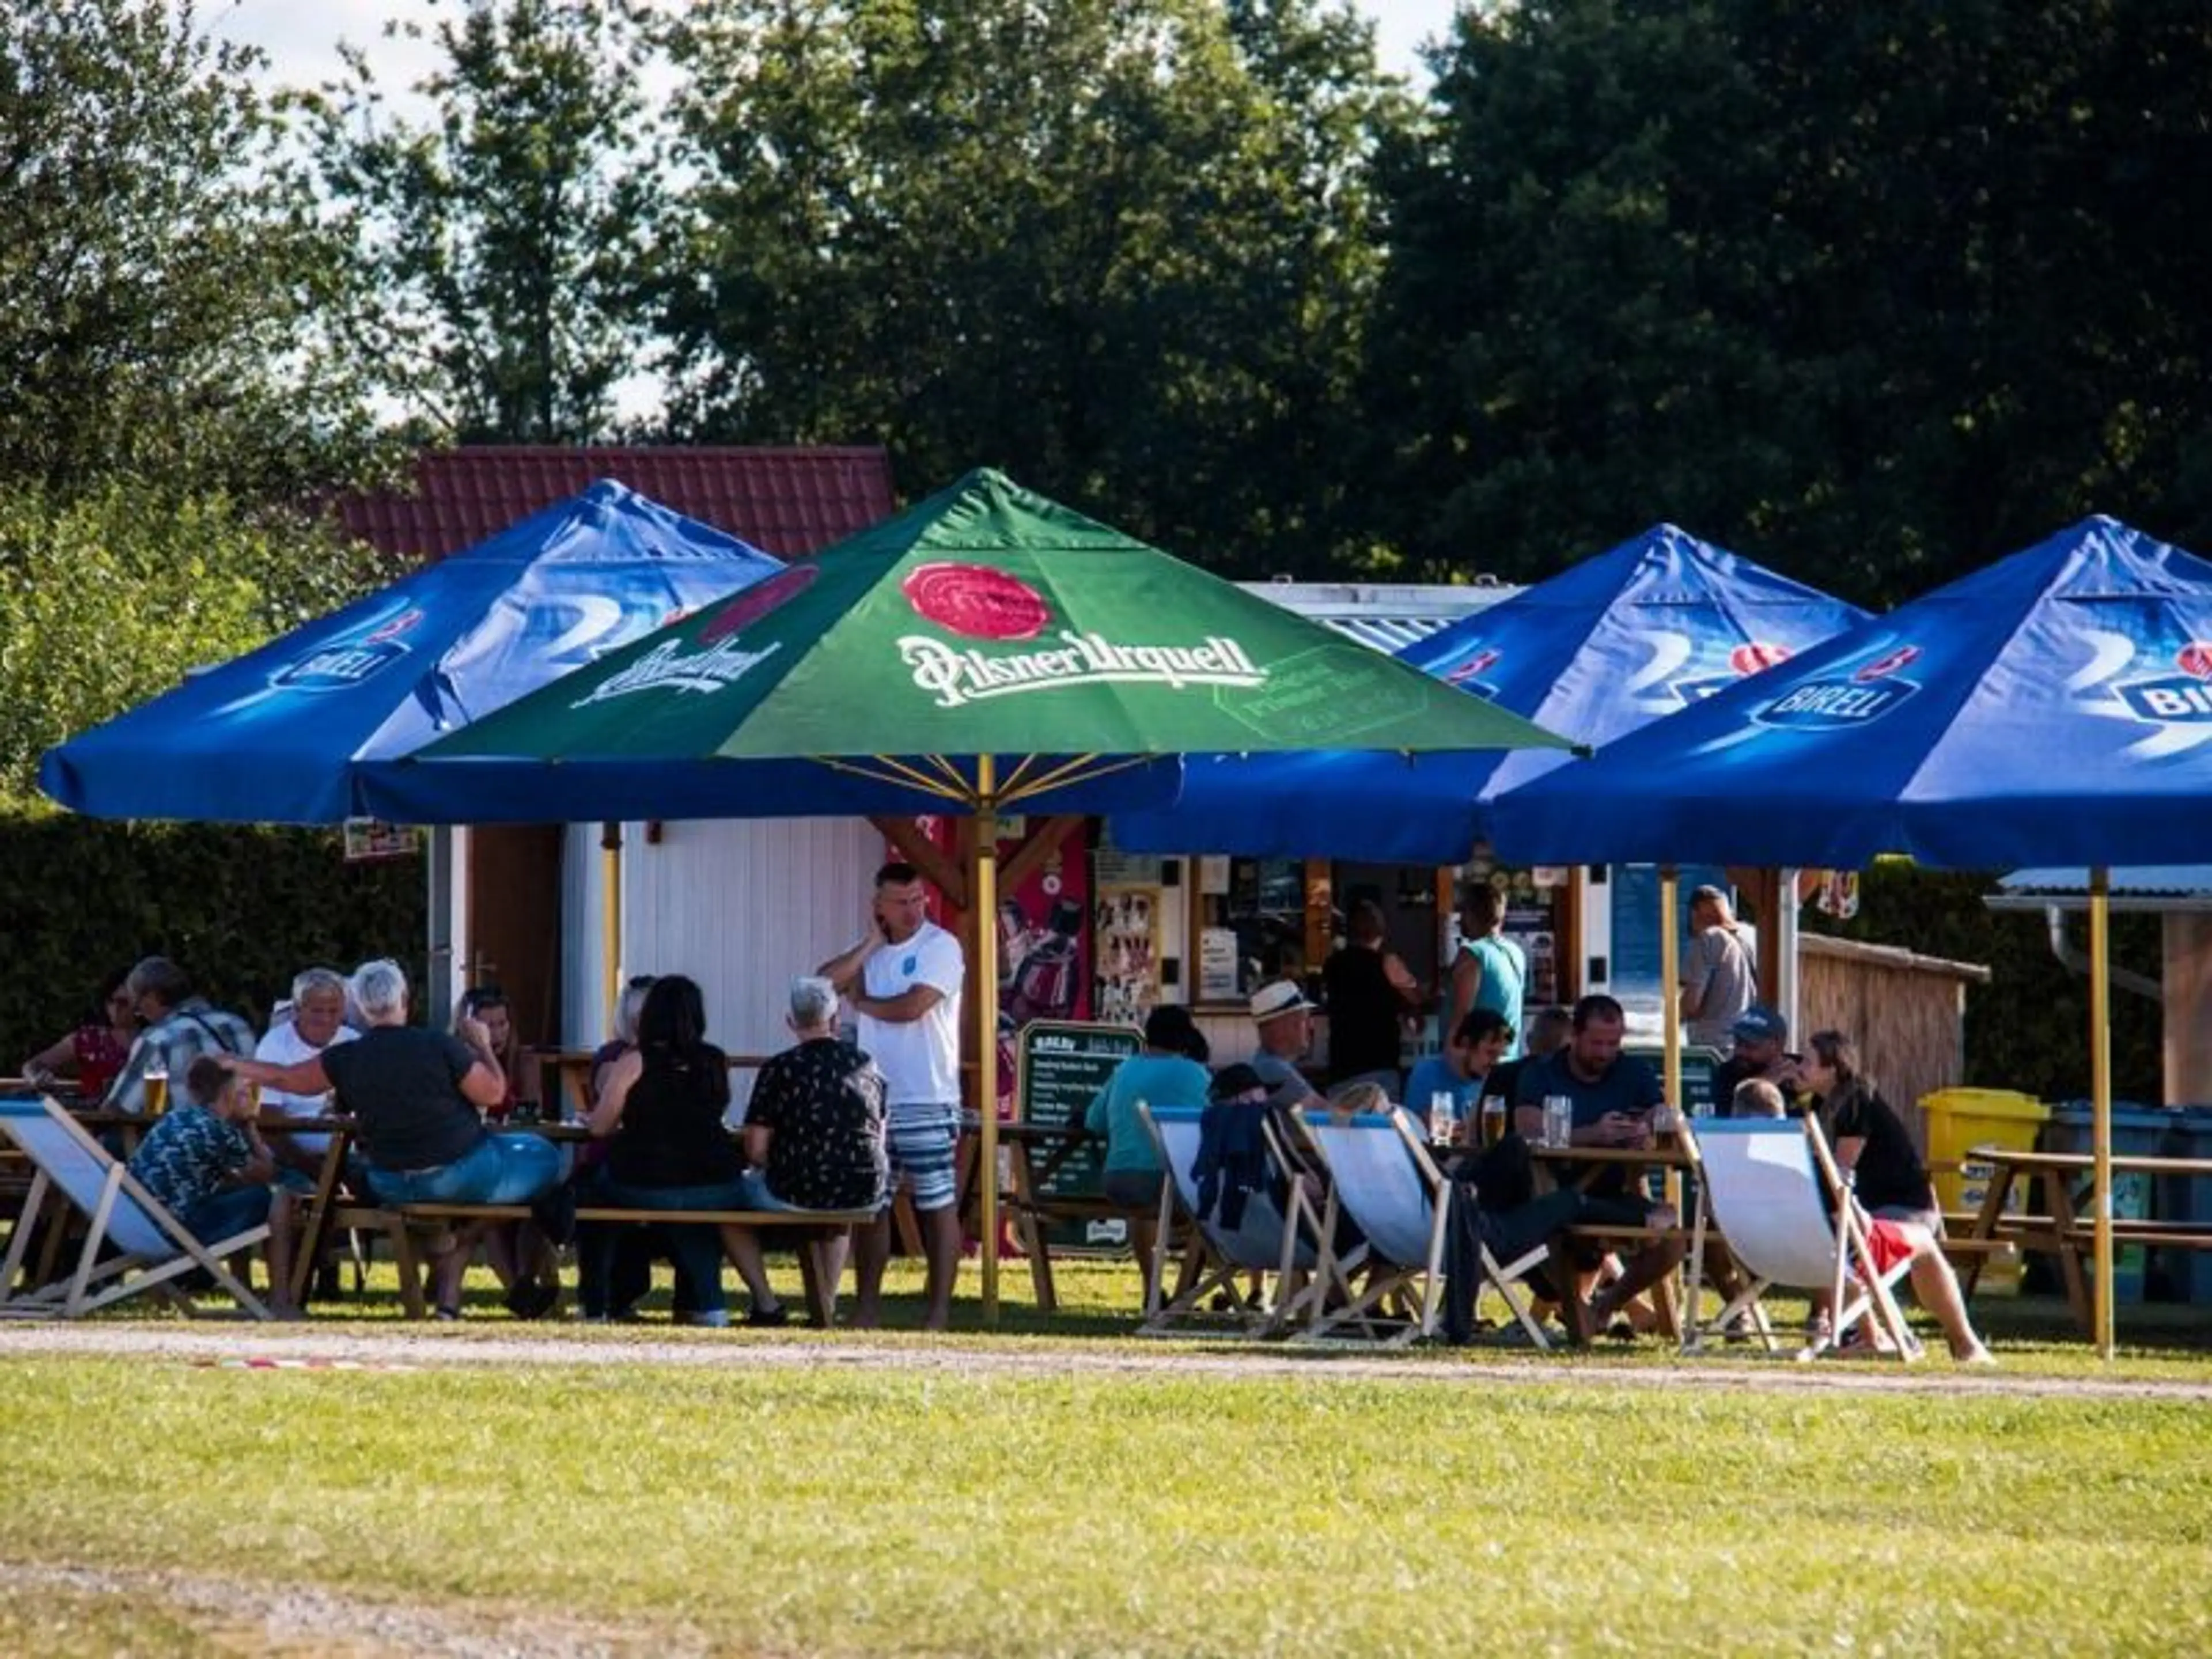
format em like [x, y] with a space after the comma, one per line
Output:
[1475, 1050]
[1612, 1095]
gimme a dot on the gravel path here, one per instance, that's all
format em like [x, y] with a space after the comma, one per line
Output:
[243, 1616]
[425, 1346]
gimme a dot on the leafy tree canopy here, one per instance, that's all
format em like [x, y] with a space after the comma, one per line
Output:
[161, 279]
[498, 242]
[1122, 248]
[1874, 294]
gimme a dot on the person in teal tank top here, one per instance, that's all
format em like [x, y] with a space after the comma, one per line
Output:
[1490, 971]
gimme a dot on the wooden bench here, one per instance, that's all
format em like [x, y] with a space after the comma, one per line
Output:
[398, 1222]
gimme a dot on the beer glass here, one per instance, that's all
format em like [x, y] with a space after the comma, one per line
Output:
[157, 1088]
[1440, 1117]
[1493, 1119]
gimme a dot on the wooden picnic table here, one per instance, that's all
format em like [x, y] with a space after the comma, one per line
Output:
[1585, 1165]
[2060, 1228]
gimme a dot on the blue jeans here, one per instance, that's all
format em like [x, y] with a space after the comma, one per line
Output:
[693, 1246]
[225, 1214]
[498, 1170]
[753, 1193]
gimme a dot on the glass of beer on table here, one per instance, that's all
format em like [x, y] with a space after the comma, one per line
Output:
[157, 1088]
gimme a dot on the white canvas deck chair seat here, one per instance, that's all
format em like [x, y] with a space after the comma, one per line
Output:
[1760, 1182]
[1282, 1247]
[1382, 1176]
[152, 1249]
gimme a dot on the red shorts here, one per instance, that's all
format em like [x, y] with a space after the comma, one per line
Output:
[1887, 1244]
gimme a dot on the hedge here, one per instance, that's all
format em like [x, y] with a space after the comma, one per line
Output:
[241, 909]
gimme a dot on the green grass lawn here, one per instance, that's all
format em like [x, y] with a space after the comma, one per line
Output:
[833, 1510]
[826, 1511]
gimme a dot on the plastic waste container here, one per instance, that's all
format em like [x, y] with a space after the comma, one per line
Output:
[2189, 1198]
[1959, 1120]
[2146, 1131]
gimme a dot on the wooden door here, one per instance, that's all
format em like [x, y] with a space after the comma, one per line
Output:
[514, 923]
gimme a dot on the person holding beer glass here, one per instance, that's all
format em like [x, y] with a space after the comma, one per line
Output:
[181, 1025]
[1475, 1050]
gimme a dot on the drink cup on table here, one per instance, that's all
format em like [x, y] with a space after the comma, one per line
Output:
[1440, 1116]
[1493, 1119]
[157, 1090]
[1559, 1121]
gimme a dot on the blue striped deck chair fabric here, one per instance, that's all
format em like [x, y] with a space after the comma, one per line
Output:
[145, 1247]
[1281, 1247]
[1380, 1176]
[1760, 1185]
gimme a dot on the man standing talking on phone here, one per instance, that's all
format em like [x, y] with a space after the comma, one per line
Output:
[902, 981]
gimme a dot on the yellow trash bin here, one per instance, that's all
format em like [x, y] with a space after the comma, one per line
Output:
[1958, 1121]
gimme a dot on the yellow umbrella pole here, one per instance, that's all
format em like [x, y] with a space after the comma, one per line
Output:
[610, 841]
[983, 906]
[2100, 1096]
[1670, 1002]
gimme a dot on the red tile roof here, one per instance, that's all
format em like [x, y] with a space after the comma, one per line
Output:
[786, 501]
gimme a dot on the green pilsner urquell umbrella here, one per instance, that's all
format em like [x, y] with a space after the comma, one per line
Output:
[986, 649]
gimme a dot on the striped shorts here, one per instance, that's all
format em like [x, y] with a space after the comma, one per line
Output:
[921, 1139]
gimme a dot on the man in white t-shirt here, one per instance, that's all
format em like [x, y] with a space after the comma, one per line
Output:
[903, 982]
[317, 1022]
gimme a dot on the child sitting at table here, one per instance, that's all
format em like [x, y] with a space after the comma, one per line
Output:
[205, 1163]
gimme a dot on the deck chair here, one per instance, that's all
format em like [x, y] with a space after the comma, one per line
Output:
[152, 1248]
[1383, 1179]
[1759, 1183]
[1380, 1174]
[1266, 1240]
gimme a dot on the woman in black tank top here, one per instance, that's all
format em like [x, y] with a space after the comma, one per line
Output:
[664, 1104]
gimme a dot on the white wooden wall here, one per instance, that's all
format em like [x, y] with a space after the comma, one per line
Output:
[738, 906]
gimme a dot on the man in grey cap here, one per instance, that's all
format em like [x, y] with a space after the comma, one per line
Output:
[1284, 1020]
[1762, 1040]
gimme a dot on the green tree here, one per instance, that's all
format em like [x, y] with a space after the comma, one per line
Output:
[1874, 294]
[110, 596]
[499, 241]
[161, 279]
[1123, 248]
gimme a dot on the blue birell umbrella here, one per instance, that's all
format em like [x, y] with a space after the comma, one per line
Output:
[2055, 708]
[1621, 640]
[299, 731]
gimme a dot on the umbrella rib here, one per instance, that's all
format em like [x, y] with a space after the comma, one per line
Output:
[952, 775]
[1013, 784]
[887, 769]
[1073, 771]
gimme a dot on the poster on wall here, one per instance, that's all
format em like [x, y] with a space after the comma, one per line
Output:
[1126, 928]
[1043, 922]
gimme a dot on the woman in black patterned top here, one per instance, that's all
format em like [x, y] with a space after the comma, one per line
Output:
[814, 1129]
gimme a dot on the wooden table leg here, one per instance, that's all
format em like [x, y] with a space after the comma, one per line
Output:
[1029, 1228]
[307, 1247]
[1985, 1221]
[2079, 1293]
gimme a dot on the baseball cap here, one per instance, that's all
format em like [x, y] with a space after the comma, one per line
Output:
[1276, 999]
[1762, 1024]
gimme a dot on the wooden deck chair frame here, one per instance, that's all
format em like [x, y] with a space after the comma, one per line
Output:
[1209, 1269]
[1360, 1312]
[1851, 1273]
[153, 1248]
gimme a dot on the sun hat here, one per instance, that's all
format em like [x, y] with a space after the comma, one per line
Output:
[1276, 999]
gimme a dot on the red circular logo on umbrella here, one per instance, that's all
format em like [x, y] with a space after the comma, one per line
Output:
[1881, 667]
[1475, 665]
[1757, 657]
[977, 601]
[2196, 660]
[757, 601]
